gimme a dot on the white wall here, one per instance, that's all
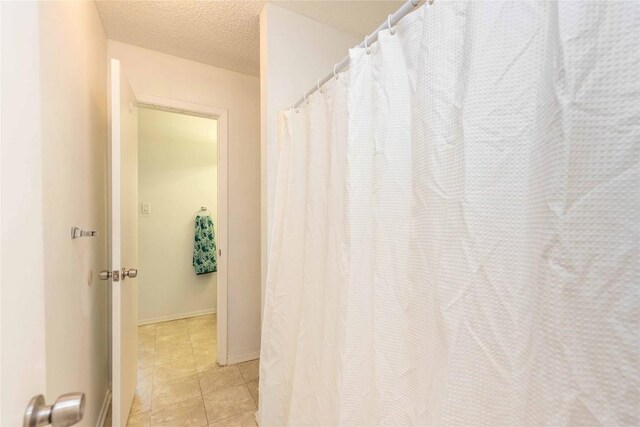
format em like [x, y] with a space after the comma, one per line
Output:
[177, 174]
[295, 51]
[161, 75]
[53, 177]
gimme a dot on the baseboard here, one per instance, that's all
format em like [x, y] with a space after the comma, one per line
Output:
[244, 358]
[175, 317]
[104, 410]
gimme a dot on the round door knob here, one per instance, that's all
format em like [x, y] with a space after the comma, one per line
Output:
[68, 409]
[131, 273]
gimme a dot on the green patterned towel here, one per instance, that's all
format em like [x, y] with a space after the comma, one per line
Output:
[204, 247]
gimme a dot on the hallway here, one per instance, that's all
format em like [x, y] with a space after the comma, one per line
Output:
[180, 383]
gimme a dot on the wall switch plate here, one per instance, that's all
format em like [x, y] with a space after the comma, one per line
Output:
[146, 208]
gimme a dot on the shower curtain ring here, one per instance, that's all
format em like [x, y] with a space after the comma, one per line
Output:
[334, 71]
[366, 46]
[391, 30]
[305, 99]
[319, 90]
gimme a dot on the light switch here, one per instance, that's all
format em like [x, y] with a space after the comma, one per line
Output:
[146, 208]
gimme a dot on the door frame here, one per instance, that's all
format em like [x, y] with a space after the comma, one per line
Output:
[221, 115]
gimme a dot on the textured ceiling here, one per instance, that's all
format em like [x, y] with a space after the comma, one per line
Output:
[224, 33]
[220, 33]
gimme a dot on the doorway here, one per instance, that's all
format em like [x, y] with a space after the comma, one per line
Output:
[181, 187]
[177, 193]
[212, 286]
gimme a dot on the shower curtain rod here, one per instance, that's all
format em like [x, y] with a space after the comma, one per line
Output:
[392, 20]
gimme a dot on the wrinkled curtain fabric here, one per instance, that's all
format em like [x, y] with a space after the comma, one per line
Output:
[457, 226]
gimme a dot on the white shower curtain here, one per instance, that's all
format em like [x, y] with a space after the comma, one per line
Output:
[457, 226]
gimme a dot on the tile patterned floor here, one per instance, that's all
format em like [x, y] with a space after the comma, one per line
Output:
[180, 384]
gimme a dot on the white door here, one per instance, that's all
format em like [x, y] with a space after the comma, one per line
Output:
[22, 302]
[123, 242]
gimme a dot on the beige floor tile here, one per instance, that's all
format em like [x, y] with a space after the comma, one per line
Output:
[209, 319]
[147, 330]
[201, 347]
[172, 346]
[172, 328]
[171, 325]
[145, 371]
[170, 340]
[152, 326]
[146, 342]
[250, 370]
[176, 390]
[204, 343]
[203, 334]
[205, 348]
[175, 338]
[142, 399]
[206, 361]
[139, 420]
[201, 320]
[217, 379]
[189, 413]
[180, 383]
[245, 419]
[253, 389]
[146, 337]
[174, 353]
[145, 357]
[146, 381]
[173, 370]
[225, 403]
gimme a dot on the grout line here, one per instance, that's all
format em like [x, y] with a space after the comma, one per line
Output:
[206, 416]
[155, 342]
[153, 370]
[155, 333]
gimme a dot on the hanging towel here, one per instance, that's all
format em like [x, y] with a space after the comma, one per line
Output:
[204, 246]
